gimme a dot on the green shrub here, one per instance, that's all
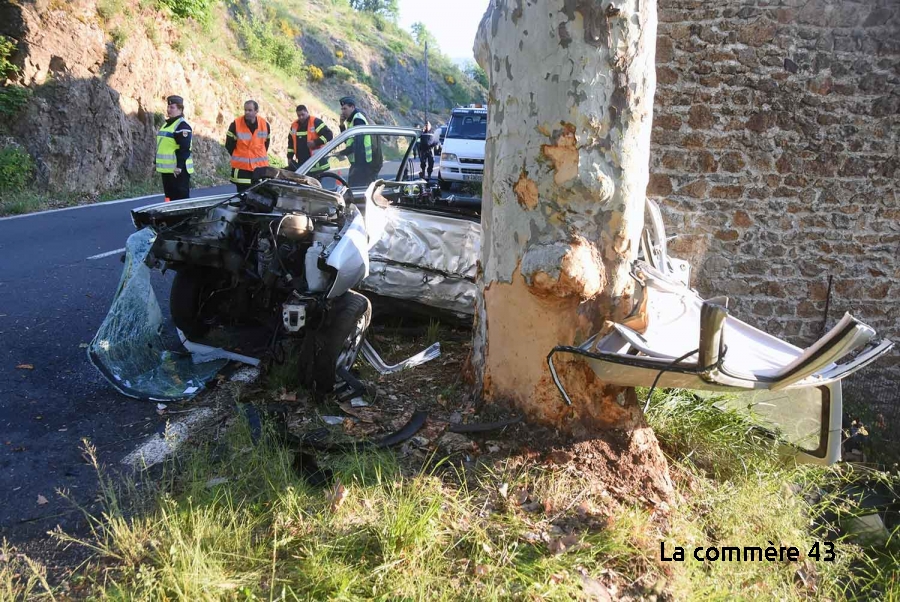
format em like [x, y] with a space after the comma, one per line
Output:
[179, 45]
[152, 32]
[314, 74]
[107, 9]
[476, 73]
[340, 73]
[189, 9]
[7, 48]
[264, 43]
[384, 8]
[18, 203]
[16, 168]
[12, 100]
[120, 35]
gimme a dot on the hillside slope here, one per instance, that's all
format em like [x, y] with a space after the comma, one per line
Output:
[86, 93]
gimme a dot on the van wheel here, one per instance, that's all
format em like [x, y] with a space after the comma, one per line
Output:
[444, 184]
[341, 339]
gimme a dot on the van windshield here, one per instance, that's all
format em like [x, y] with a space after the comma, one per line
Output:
[468, 126]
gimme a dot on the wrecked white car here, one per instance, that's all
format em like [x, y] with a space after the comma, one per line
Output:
[285, 255]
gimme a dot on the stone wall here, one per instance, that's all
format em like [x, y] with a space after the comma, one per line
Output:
[776, 157]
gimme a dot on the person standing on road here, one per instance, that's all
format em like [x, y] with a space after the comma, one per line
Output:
[247, 141]
[308, 134]
[428, 145]
[173, 152]
[363, 152]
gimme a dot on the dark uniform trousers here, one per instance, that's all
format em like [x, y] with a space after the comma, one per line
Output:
[426, 159]
[177, 187]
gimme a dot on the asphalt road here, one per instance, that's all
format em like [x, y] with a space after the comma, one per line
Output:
[52, 299]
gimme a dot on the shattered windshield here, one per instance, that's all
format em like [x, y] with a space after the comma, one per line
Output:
[129, 349]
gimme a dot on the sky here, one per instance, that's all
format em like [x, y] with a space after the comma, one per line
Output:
[453, 23]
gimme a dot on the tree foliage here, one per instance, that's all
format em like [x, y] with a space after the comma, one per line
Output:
[16, 168]
[422, 35]
[385, 8]
[189, 9]
[477, 73]
[7, 48]
[263, 42]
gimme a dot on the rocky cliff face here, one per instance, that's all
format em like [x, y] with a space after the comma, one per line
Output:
[98, 98]
[95, 108]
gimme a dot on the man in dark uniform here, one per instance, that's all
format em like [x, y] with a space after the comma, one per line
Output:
[173, 152]
[363, 152]
[308, 134]
[428, 145]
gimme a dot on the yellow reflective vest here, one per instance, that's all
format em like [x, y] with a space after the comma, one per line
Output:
[166, 145]
[366, 140]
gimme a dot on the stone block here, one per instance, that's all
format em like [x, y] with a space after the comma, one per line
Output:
[659, 185]
[701, 117]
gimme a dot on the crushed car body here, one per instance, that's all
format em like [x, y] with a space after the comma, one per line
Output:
[427, 258]
[676, 339]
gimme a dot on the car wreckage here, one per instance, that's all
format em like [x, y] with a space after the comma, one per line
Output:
[294, 254]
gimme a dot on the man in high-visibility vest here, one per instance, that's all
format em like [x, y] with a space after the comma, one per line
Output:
[363, 152]
[173, 152]
[308, 134]
[247, 141]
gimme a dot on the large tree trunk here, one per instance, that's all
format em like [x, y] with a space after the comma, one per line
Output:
[567, 159]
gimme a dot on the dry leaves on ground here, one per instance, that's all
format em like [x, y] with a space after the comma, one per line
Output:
[337, 495]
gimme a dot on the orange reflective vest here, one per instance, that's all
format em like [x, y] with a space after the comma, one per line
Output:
[250, 150]
[310, 132]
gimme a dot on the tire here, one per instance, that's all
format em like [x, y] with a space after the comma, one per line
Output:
[184, 301]
[340, 340]
[444, 184]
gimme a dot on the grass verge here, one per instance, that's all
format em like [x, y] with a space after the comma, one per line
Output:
[31, 200]
[234, 521]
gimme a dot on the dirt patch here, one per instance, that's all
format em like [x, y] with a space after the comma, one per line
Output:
[628, 464]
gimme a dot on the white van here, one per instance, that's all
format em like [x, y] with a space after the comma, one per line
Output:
[462, 155]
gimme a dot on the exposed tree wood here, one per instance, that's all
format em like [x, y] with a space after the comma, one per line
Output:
[566, 170]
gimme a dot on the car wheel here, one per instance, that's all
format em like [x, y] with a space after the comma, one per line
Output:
[341, 339]
[188, 289]
[445, 185]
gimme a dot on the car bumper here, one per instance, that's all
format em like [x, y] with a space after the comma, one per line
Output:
[456, 172]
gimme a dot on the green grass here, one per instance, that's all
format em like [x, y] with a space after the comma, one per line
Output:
[21, 202]
[234, 522]
[30, 200]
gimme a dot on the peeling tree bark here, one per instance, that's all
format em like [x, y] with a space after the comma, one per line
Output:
[566, 169]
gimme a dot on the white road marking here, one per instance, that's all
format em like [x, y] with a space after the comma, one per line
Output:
[103, 204]
[107, 254]
[159, 447]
